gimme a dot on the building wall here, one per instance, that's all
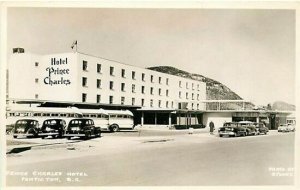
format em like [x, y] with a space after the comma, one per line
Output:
[23, 74]
[218, 118]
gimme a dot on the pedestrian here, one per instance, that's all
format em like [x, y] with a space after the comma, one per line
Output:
[211, 127]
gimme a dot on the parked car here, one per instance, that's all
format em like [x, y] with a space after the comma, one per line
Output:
[53, 128]
[261, 128]
[232, 129]
[26, 128]
[286, 128]
[250, 127]
[83, 128]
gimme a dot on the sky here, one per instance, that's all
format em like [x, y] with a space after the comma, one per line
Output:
[250, 51]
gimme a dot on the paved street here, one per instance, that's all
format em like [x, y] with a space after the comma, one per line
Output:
[198, 159]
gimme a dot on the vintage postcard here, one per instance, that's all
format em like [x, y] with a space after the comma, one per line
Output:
[147, 95]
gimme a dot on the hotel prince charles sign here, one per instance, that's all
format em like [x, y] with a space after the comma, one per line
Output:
[57, 74]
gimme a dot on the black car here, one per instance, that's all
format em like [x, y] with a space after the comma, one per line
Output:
[250, 127]
[83, 128]
[261, 128]
[232, 129]
[53, 128]
[26, 128]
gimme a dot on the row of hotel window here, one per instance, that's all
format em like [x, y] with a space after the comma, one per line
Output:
[169, 104]
[133, 75]
[133, 88]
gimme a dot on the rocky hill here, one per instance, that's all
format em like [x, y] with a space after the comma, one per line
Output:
[214, 89]
[283, 106]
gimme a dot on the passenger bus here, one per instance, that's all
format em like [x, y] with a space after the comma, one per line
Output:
[110, 120]
[100, 117]
[41, 114]
[120, 119]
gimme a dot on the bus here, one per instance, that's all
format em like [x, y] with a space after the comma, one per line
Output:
[110, 120]
[40, 114]
[120, 119]
[100, 117]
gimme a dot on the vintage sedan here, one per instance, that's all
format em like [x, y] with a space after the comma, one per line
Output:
[250, 127]
[232, 129]
[286, 128]
[26, 128]
[261, 128]
[82, 128]
[53, 128]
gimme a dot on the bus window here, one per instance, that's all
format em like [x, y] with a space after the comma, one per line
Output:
[119, 116]
[54, 114]
[11, 114]
[71, 115]
[37, 114]
[93, 115]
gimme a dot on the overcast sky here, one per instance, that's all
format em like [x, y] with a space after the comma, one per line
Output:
[250, 51]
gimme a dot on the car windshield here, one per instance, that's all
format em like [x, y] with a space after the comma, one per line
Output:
[230, 125]
[26, 124]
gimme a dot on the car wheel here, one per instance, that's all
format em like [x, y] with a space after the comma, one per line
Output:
[43, 137]
[15, 136]
[87, 135]
[69, 138]
[221, 135]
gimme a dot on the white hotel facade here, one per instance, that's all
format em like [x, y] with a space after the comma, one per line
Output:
[78, 79]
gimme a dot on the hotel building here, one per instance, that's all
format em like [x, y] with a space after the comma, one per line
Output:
[86, 81]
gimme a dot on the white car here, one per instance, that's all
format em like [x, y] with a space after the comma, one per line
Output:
[286, 128]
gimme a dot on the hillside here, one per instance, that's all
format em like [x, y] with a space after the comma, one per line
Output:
[214, 89]
[283, 106]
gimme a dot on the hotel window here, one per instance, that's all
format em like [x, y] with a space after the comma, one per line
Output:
[133, 75]
[151, 78]
[167, 104]
[192, 106]
[133, 101]
[123, 87]
[111, 85]
[84, 97]
[198, 96]
[143, 89]
[172, 104]
[84, 81]
[167, 93]
[151, 103]
[84, 65]
[111, 71]
[192, 86]
[122, 100]
[98, 98]
[98, 83]
[180, 84]
[197, 106]
[36, 96]
[143, 102]
[111, 99]
[36, 80]
[167, 81]
[187, 95]
[192, 96]
[98, 68]
[159, 80]
[159, 91]
[36, 64]
[159, 103]
[143, 76]
[151, 90]
[179, 94]
[133, 88]
[187, 85]
[123, 73]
